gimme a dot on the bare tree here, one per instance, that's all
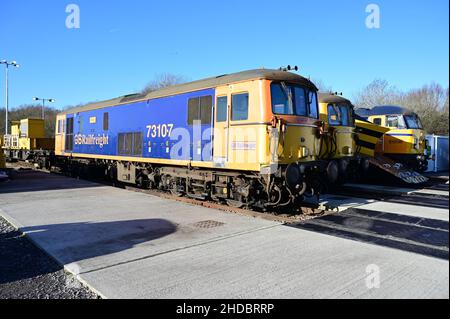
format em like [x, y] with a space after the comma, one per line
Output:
[31, 111]
[162, 81]
[430, 102]
[378, 92]
[322, 86]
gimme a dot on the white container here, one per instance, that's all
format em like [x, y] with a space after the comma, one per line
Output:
[438, 150]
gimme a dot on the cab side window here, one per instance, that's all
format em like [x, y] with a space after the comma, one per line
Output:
[69, 134]
[377, 121]
[392, 121]
[222, 106]
[239, 107]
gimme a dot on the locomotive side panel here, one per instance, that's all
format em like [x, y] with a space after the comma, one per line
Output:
[157, 129]
[240, 135]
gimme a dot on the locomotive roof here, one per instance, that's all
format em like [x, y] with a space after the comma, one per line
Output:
[224, 79]
[333, 98]
[363, 113]
[383, 110]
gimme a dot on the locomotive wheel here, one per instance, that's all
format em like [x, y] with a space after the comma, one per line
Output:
[174, 190]
[275, 196]
[140, 182]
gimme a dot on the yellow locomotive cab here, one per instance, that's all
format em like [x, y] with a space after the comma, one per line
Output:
[337, 114]
[405, 139]
[339, 143]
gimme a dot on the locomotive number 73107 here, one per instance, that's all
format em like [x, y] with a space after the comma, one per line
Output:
[160, 130]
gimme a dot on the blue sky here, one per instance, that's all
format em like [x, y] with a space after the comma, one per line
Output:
[121, 45]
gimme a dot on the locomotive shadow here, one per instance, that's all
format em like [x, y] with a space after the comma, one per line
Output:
[74, 242]
[33, 181]
[413, 234]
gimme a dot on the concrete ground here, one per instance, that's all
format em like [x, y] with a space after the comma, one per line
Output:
[126, 244]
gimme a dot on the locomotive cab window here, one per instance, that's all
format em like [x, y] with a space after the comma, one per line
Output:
[413, 122]
[222, 108]
[377, 121]
[280, 102]
[392, 121]
[239, 107]
[60, 127]
[200, 109]
[339, 115]
[313, 107]
[69, 134]
[395, 121]
[290, 99]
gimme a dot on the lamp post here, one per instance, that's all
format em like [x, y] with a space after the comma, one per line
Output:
[43, 103]
[7, 64]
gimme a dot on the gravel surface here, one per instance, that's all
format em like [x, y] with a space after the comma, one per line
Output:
[26, 272]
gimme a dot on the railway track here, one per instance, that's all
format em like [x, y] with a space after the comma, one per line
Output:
[413, 234]
[411, 198]
[301, 213]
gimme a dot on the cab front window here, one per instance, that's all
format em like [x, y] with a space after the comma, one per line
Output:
[395, 121]
[339, 115]
[289, 99]
[413, 122]
[313, 106]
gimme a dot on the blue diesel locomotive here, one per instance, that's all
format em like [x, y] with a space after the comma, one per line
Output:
[250, 139]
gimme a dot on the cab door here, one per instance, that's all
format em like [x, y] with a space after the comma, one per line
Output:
[221, 128]
[60, 134]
